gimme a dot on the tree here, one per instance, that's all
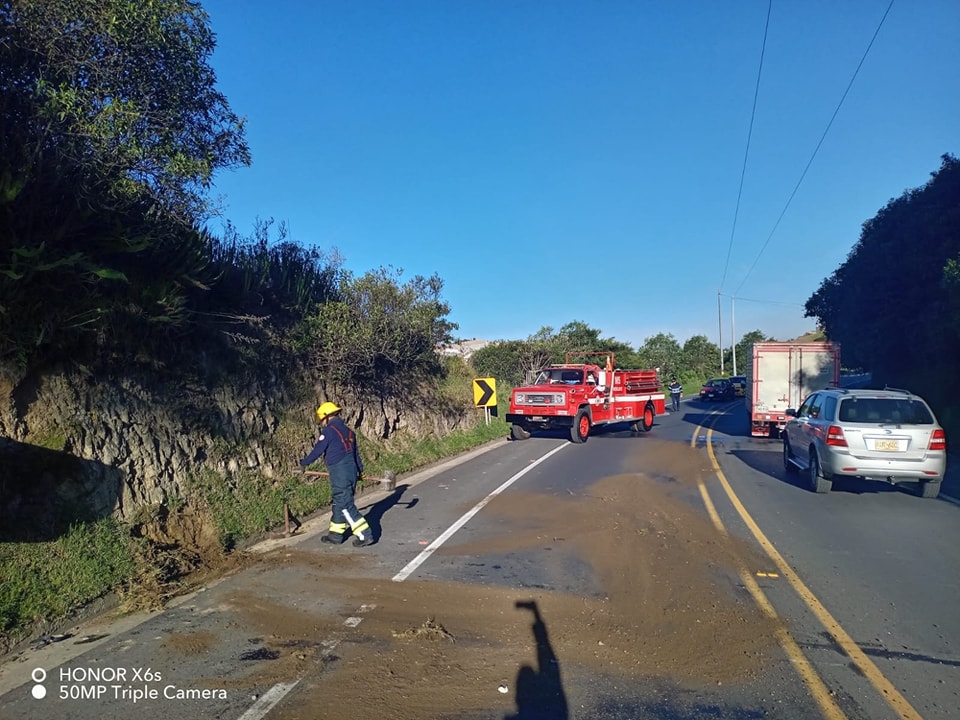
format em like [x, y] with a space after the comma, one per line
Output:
[661, 351]
[380, 337]
[743, 349]
[116, 94]
[538, 350]
[112, 130]
[951, 285]
[270, 275]
[577, 336]
[699, 357]
[893, 278]
[511, 360]
[891, 304]
[501, 360]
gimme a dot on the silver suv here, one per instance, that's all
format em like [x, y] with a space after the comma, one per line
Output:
[883, 434]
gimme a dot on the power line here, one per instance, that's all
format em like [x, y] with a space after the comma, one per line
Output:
[746, 153]
[764, 302]
[817, 148]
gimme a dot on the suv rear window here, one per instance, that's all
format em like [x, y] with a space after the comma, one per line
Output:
[889, 411]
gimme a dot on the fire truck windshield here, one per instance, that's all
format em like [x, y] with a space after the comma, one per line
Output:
[566, 377]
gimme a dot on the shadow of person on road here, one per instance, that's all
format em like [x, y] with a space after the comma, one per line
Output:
[375, 512]
[539, 691]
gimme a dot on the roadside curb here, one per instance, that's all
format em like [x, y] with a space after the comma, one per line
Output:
[16, 667]
[317, 524]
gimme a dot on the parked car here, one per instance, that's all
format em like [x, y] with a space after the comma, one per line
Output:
[717, 389]
[739, 385]
[881, 434]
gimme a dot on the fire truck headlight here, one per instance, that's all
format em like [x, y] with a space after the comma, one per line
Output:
[558, 399]
[520, 398]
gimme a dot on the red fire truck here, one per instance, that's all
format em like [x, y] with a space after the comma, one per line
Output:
[579, 396]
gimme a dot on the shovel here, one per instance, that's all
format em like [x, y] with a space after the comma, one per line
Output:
[387, 482]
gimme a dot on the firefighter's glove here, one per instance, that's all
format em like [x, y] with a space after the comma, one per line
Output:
[299, 469]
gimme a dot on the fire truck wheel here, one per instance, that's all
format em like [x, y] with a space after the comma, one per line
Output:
[518, 432]
[647, 422]
[581, 427]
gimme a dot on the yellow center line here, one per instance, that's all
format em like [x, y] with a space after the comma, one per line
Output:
[887, 691]
[818, 689]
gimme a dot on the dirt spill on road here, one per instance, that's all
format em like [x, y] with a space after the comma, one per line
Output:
[194, 643]
[278, 610]
[669, 604]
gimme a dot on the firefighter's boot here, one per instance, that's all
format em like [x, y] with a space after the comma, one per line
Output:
[362, 534]
[336, 534]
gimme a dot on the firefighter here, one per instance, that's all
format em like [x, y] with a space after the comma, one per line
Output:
[676, 392]
[338, 448]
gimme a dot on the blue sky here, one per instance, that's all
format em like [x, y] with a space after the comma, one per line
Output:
[561, 161]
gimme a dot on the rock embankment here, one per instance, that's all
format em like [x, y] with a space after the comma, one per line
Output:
[75, 447]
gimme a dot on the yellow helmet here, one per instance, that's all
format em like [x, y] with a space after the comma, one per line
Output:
[327, 408]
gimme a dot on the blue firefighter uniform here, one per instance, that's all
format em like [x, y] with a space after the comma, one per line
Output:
[337, 446]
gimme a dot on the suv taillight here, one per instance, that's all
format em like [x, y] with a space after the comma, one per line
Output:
[835, 436]
[938, 440]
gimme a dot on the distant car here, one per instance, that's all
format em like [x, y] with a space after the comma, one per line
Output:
[717, 389]
[739, 385]
[882, 434]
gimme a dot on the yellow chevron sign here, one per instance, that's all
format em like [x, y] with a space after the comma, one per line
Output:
[484, 392]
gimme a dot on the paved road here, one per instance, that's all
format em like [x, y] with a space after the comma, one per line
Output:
[527, 551]
[879, 568]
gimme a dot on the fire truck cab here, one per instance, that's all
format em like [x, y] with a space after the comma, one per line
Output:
[580, 396]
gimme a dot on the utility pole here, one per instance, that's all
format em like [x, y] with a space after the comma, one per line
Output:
[720, 329]
[733, 334]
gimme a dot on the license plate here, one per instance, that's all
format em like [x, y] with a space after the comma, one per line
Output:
[886, 445]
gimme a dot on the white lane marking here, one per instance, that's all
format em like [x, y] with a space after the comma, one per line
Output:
[265, 702]
[275, 694]
[448, 533]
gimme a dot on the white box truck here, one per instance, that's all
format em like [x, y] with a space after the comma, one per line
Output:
[781, 374]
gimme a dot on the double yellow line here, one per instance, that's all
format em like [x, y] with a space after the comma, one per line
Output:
[818, 689]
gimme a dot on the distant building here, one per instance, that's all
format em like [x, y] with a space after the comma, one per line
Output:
[463, 349]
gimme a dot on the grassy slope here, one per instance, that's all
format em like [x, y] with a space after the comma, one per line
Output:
[45, 583]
